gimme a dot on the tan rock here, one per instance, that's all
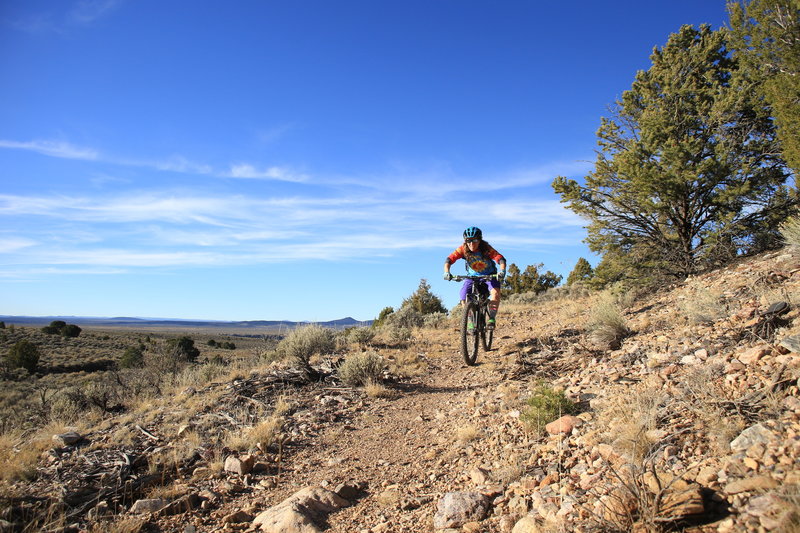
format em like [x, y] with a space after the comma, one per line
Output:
[565, 424]
[750, 484]
[148, 505]
[239, 465]
[680, 504]
[300, 512]
[528, 524]
[754, 354]
[237, 518]
[479, 476]
[67, 439]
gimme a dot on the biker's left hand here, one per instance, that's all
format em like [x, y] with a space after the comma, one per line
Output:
[501, 275]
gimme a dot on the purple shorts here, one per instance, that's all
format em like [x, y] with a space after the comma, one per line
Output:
[465, 288]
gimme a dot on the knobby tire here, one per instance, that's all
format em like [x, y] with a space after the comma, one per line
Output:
[486, 334]
[470, 343]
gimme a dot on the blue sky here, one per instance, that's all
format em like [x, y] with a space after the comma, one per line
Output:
[304, 160]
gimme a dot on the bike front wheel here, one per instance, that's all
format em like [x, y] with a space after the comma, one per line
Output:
[487, 334]
[470, 338]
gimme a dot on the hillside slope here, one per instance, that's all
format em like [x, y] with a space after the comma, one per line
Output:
[690, 422]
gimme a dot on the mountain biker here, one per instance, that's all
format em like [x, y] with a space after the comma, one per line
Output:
[480, 258]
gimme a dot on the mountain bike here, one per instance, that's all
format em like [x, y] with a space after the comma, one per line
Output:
[476, 312]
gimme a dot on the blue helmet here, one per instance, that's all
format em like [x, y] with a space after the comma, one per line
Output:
[472, 233]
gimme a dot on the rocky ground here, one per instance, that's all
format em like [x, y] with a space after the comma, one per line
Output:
[690, 421]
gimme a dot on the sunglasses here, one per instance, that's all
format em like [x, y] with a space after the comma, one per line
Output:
[469, 241]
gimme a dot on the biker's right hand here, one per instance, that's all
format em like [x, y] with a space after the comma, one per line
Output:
[448, 276]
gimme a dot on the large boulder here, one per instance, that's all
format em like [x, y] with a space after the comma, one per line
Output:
[301, 512]
[458, 508]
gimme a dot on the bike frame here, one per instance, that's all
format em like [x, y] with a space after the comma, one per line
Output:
[476, 309]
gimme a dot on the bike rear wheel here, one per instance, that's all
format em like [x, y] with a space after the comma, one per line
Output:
[470, 341]
[487, 334]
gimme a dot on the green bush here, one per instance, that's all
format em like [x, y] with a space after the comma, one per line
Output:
[385, 312]
[546, 405]
[132, 358]
[59, 327]
[184, 348]
[71, 330]
[24, 354]
[423, 301]
[361, 368]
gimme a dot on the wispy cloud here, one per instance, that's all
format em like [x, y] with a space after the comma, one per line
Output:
[245, 170]
[175, 163]
[53, 149]
[88, 11]
[61, 17]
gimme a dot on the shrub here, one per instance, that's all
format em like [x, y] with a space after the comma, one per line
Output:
[361, 369]
[385, 312]
[360, 336]
[546, 405]
[55, 327]
[304, 342]
[69, 405]
[607, 323]
[184, 348]
[132, 358]
[24, 354]
[406, 317]
[434, 320]
[396, 334]
[59, 327]
[71, 330]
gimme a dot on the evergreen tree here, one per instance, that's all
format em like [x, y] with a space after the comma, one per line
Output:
[582, 272]
[424, 301]
[687, 174]
[766, 38]
[513, 279]
[530, 280]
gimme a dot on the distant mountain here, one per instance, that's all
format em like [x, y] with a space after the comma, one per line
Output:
[134, 322]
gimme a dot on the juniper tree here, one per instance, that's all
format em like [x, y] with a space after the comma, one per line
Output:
[766, 38]
[582, 272]
[687, 172]
[424, 301]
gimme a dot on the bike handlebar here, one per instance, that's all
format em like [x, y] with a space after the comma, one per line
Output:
[485, 277]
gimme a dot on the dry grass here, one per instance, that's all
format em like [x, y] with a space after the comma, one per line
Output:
[467, 434]
[122, 525]
[631, 417]
[607, 322]
[703, 305]
[258, 437]
[407, 364]
[378, 390]
[703, 398]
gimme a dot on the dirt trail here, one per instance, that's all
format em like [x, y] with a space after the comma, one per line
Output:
[411, 448]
